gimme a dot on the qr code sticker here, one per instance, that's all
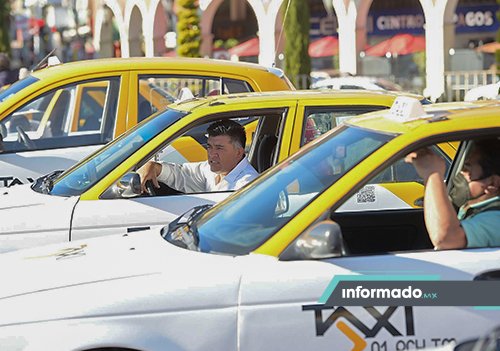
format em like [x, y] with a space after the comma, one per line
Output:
[367, 194]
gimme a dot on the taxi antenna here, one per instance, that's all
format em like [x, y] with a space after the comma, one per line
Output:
[43, 61]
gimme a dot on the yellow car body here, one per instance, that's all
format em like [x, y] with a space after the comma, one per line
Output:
[72, 108]
[292, 135]
[448, 124]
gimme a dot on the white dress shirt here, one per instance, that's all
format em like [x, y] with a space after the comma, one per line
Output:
[195, 177]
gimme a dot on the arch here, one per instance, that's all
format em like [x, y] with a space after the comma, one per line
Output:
[103, 39]
[159, 29]
[109, 13]
[136, 38]
[206, 22]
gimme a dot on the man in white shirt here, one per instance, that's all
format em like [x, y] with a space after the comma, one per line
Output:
[227, 168]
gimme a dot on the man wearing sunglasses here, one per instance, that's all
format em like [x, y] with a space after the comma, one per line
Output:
[476, 196]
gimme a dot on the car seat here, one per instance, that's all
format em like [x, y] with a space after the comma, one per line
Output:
[265, 152]
[58, 114]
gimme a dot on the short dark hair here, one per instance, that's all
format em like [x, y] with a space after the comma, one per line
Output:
[489, 160]
[230, 128]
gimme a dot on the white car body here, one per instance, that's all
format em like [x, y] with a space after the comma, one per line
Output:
[484, 92]
[140, 292]
[29, 218]
[368, 83]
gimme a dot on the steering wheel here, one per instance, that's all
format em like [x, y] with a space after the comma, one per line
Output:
[150, 188]
[25, 139]
[164, 189]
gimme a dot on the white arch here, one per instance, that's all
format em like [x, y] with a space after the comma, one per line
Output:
[346, 12]
[100, 21]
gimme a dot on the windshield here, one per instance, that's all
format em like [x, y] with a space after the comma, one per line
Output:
[86, 173]
[251, 216]
[17, 86]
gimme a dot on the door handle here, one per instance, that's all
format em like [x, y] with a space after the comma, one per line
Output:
[137, 229]
[489, 275]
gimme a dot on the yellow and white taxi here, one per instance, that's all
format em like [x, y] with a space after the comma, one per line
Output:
[93, 197]
[250, 273]
[55, 116]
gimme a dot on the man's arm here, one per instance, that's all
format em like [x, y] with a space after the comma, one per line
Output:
[440, 216]
[187, 177]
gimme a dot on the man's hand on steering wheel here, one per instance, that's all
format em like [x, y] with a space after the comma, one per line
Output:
[149, 173]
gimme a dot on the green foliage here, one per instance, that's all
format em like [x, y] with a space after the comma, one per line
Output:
[188, 29]
[228, 44]
[297, 60]
[419, 59]
[4, 26]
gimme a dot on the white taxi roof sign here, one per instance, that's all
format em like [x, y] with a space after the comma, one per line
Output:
[53, 61]
[405, 109]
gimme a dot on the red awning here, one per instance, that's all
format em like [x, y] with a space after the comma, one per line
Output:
[489, 48]
[326, 46]
[401, 44]
[247, 48]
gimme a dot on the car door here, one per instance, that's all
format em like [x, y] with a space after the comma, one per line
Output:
[56, 129]
[286, 296]
[286, 292]
[121, 215]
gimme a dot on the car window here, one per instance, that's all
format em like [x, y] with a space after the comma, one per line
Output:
[73, 115]
[319, 120]
[92, 169]
[238, 226]
[158, 91]
[262, 134]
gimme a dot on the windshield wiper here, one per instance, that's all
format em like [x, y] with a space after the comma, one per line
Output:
[46, 183]
[183, 231]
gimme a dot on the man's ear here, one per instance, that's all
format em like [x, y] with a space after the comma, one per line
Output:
[493, 188]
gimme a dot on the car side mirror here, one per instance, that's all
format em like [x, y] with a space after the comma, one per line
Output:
[283, 204]
[323, 240]
[126, 187]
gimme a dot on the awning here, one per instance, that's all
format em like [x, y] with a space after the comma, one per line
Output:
[247, 48]
[400, 44]
[489, 48]
[324, 47]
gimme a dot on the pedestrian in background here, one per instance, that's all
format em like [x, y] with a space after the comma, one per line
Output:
[7, 75]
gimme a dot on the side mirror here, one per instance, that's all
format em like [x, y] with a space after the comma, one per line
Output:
[128, 186]
[283, 204]
[322, 240]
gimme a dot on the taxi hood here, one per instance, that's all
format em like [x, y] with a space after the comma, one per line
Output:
[23, 210]
[119, 274]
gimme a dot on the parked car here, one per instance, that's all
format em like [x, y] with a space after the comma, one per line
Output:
[356, 82]
[484, 92]
[90, 199]
[54, 117]
[248, 274]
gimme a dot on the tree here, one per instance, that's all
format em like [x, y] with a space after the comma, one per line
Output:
[296, 24]
[4, 26]
[188, 29]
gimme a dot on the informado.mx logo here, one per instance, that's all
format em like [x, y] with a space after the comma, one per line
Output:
[384, 293]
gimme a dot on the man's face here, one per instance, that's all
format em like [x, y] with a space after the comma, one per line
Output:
[223, 155]
[473, 172]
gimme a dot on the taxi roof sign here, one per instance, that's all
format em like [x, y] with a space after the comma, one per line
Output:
[405, 109]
